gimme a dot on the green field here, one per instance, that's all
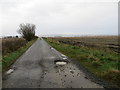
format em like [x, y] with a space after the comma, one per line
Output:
[101, 62]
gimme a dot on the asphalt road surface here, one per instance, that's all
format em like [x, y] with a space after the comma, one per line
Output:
[36, 69]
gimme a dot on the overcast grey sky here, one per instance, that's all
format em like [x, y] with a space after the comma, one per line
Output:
[84, 17]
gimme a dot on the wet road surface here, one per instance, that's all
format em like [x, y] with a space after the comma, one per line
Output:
[36, 69]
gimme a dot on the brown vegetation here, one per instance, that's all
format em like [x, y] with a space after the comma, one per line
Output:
[12, 44]
[99, 42]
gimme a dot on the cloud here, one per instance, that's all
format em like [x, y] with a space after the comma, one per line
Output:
[60, 16]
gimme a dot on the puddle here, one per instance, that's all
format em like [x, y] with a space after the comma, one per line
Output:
[60, 62]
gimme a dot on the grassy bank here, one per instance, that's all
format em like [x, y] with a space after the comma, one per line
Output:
[103, 64]
[10, 58]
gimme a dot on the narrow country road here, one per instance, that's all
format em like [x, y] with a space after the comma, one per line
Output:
[36, 69]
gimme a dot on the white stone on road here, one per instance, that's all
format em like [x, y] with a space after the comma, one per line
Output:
[9, 71]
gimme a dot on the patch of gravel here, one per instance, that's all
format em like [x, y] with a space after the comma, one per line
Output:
[107, 85]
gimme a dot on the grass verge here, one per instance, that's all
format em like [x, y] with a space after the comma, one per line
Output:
[10, 58]
[104, 64]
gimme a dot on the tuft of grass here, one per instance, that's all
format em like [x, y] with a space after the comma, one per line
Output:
[103, 64]
[113, 75]
[96, 64]
[10, 58]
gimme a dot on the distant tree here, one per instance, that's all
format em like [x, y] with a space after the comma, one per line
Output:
[27, 31]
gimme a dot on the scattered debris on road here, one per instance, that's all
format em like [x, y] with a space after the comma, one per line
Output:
[72, 71]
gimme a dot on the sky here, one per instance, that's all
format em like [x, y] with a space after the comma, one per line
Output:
[60, 17]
